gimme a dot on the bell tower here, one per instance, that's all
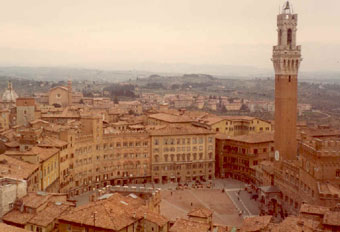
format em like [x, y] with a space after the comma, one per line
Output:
[286, 60]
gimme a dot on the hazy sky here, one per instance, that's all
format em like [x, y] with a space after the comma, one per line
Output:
[126, 33]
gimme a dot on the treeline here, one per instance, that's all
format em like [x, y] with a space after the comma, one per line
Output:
[117, 90]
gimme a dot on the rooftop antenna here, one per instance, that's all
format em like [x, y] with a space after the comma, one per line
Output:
[286, 8]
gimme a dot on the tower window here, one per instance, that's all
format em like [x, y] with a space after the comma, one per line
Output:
[289, 78]
[289, 37]
[337, 173]
[280, 37]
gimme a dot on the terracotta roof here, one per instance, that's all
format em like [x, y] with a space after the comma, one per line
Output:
[44, 153]
[114, 213]
[332, 218]
[239, 118]
[171, 118]
[296, 224]
[180, 130]
[211, 120]
[253, 138]
[321, 132]
[8, 228]
[257, 223]
[17, 217]
[11, 167]
[36, 199]
[12, 144]
[50, 205]
[153, 217]
[184, 225]
[52, 142]
[49, 214]
[313, 209]
[328, 189]
[200, 212]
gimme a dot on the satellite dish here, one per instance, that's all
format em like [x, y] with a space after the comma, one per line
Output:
[277, 155]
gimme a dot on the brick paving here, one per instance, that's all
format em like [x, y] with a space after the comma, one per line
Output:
[179, 204]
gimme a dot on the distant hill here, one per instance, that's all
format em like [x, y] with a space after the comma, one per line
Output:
[62, 73]
[157, 70]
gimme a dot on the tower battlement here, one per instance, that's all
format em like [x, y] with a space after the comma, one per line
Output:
[324, 145]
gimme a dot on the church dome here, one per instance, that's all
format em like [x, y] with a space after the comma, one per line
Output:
[9, 95]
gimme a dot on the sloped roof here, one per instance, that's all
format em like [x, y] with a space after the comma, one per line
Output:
[8, 228]
[153, 217]
[184, 225]
[313, 209]
[200, 212]
[11, 167]
[180, 130]
[52, 142]
[331, 218]
[56, 205]
[257, 223]
[296, 224]
[171, 118]
[114, 213]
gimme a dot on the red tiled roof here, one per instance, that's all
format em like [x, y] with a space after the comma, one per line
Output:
[114, 213]
[50, 205]
[184, 225]
[257, 223]
[200, 212]
[11, 167]
[8, 228]
[171, 118]
[180, 130]
[332, 218]
[253, 138]
[313, 209]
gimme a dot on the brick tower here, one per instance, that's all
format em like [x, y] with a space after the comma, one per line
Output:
[286, 60]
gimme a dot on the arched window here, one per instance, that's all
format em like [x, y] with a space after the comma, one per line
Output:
[289, 37]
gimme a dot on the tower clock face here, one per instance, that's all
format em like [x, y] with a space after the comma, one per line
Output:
[277, 155]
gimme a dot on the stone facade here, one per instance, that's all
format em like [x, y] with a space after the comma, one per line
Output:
[182, 154]
[237, 157]
[10, 191]
[25, 110]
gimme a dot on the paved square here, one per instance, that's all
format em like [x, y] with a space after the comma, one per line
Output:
[179, 204]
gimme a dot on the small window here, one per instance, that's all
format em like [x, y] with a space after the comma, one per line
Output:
[338, 173]
[289, 79]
